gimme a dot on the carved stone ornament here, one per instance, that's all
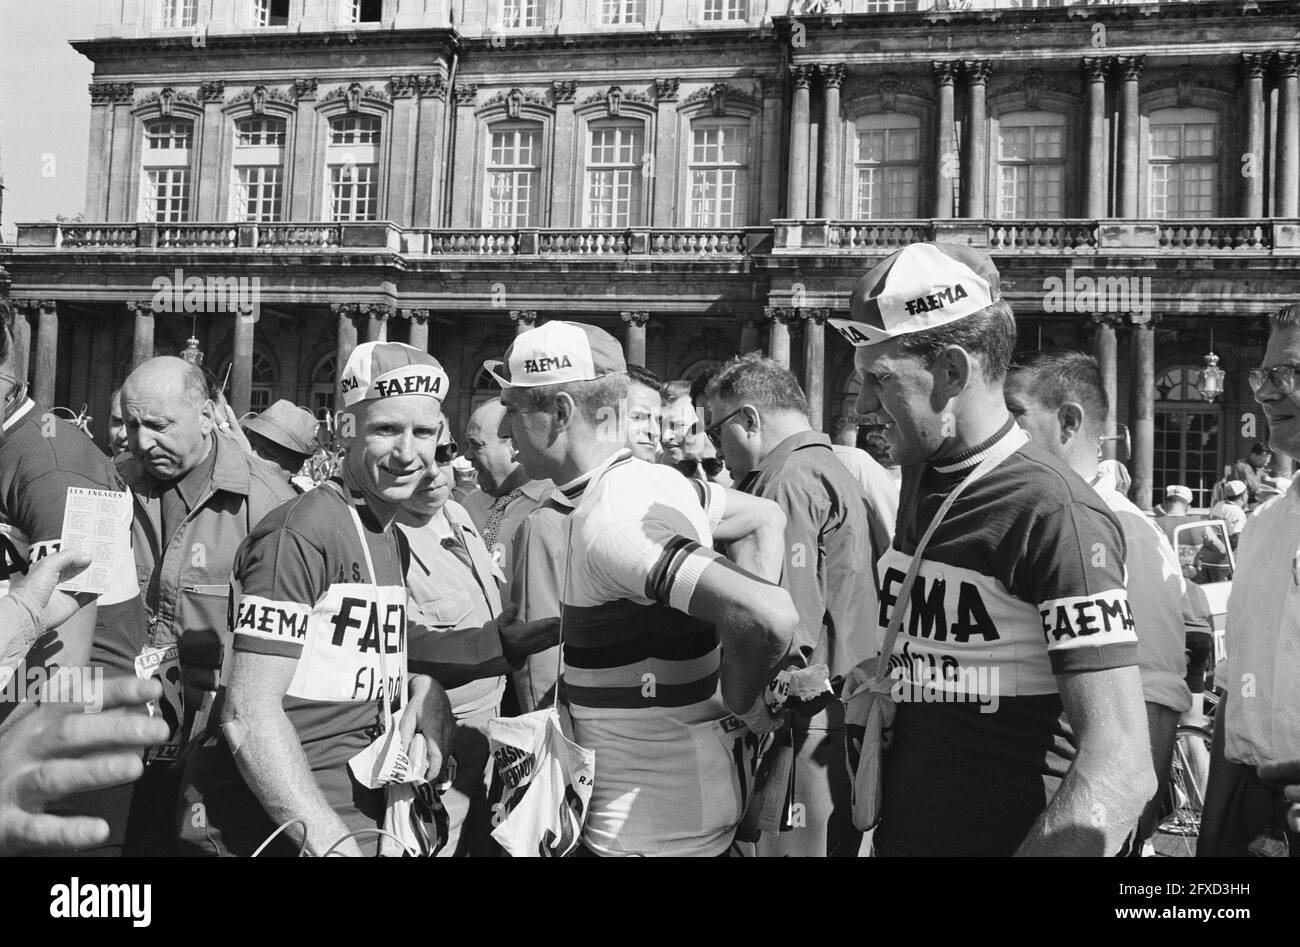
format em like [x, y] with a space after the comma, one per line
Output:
[167, 98]
[718, 96]
[465, 93]
[212, 90]
[433, 87]
[259, 95]
[666, 89]
[563, 90]
[403, 87]
[353, 94]
[111, 93]
[305, 88]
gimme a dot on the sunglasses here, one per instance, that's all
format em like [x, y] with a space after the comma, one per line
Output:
[712, 466]
[445, 453]
[17, 393]
[714, 431]
[1281, 377]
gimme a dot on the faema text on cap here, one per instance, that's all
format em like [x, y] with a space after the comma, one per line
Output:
[557, 352]
[389, 369]
[922, 286]
[1179, 492]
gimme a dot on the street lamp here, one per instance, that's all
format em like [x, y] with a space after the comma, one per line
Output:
[192, 353]
[1210, 377]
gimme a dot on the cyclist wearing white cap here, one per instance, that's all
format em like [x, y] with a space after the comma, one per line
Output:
[649, 609]
[320, 617]
[1019, 605]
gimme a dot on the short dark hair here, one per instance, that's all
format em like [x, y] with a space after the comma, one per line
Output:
[701, 384]
[590, 396]
[640, 375]
[1260, 448]
[759, 381]
[989, 334]
[1056, 376]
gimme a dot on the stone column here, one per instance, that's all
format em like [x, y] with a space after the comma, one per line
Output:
[431, 151]
[796, 200]
[290, 352]
[46, 364]
[346, 314]
[308, 158]
[975, 166]
[945, 158]
[1130, 69]
[814, 363]
[1095, 190]
[208, 197]
[1104, 348]
[419, 327]
[770, 169]
[142, 343]
[101, 375]
[778, 338]
[524, 319]
[660, 175]
[635, 344]
[404, 133]
[749, 339]
[1144, 410]
[241, 370]
[1252, 192]
[832, 170]
[1288, 134]
[22, 333]
[377, 322]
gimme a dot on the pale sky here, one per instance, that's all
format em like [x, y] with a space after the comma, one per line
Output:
[44, 108]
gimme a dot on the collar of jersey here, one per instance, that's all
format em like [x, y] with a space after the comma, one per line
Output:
[969, 459]
[572, 491]
[18, 415]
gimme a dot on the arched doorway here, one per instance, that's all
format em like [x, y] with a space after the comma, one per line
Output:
[1188, 436]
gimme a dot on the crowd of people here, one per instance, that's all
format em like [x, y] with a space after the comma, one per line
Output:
[687, 575]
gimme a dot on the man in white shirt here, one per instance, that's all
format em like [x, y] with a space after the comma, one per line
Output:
[649, 609]
[1232, 510]
[1257, 728]
[1059, 399]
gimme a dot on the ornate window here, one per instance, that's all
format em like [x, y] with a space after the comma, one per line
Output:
[1031, 165]
[257, 186]
[719, 173]
[352, 168]
[270, 12]
[165, 175]
[521, 14]
[514, 174]
[622, 12]
[887, 166]
[614, 174]
[725, 10]
[1183, 162]
[363, 11]
[177, 14]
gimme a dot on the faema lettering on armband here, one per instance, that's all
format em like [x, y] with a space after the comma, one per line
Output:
[1088, 619]
[277, 621]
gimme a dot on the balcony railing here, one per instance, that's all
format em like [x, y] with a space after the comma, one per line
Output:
[782, 237]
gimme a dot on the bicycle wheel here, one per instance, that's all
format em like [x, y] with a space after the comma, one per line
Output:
[1180, 825]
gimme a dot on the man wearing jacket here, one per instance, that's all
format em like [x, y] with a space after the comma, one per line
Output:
[197, 495]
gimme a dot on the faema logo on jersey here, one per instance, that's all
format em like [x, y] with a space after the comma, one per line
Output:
[285, 621]
[1083, 617]
[937, 300]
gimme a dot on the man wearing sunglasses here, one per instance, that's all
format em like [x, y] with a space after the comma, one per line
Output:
[833, 536]
[41, 458]
[463, 638]
[1019, 618]
[1254, 787]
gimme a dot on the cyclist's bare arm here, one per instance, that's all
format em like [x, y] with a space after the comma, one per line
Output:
[1102, 796]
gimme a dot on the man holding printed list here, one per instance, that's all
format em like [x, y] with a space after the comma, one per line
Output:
[1019, 605]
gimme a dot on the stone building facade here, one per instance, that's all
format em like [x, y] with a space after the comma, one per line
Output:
[701, 177]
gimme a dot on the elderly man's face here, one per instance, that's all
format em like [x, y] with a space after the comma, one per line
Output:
[393, 448]
[489, 448]
[679, 423]
[167, 427]
[1282, 410]
[900, 389]
[533, 432]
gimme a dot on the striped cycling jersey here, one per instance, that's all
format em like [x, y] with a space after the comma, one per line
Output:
[640, 674]
[1023, 580]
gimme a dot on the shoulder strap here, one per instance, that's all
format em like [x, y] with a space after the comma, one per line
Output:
[999, 452]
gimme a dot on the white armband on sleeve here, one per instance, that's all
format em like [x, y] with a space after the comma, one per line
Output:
[677, 571]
